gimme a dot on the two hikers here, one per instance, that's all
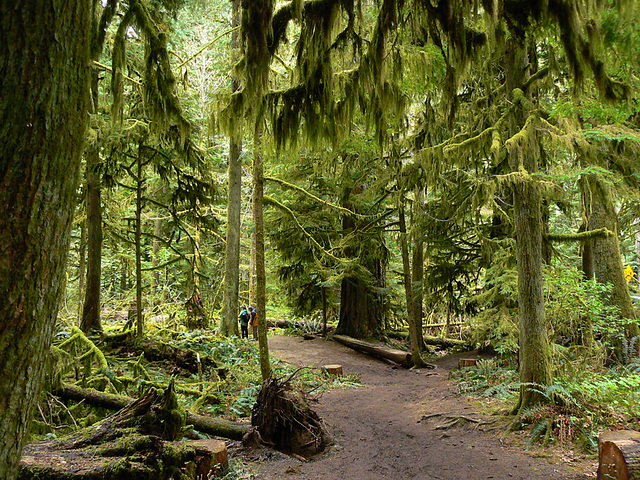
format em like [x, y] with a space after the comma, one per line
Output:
[248, 317]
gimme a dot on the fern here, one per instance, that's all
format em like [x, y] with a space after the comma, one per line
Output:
[540, 429]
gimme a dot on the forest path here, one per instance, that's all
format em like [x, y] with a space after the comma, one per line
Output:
[391, 427]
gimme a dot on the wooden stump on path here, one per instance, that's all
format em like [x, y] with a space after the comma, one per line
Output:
[333, 370]
[619, 455]
[467, 362]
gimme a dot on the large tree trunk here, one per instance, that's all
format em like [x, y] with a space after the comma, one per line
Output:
[138, 242]
[229, 323]
[535, 353]
[414, 334]
[417, 268]
[91, 309]
[605, 251]
[44, 99]
[361, 306]
[82, 267]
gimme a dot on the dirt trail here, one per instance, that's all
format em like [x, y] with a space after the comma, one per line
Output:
[392, 427]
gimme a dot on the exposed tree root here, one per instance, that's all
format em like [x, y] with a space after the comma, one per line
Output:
[284, 420]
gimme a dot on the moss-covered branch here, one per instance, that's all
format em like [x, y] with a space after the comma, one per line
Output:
[271, 201]
[580, 236]
[292, 186]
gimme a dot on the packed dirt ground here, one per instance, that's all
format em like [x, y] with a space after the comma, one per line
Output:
[403, 424]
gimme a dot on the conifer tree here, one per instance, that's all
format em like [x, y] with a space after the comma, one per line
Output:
[44, 100]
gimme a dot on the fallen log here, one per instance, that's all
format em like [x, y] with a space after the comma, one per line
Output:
[212, 426]
[136, 443]
[431, 340]
[619, 455]
[380, 351]
[299, 324]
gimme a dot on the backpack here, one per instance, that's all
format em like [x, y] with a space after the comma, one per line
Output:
[244, 317]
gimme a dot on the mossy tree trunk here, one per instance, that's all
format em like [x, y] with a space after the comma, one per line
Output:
[229, 323]
[605, 251]
[91, 309]
[414, 334]
[417, 268]
[140, 185]
[44, 99]
[535, 352]
[261, 276]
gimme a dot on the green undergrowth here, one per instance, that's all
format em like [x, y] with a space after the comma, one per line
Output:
[581, 401]
[225, 385]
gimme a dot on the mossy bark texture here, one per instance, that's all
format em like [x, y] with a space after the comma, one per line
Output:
[44, 94]
[605, 251]
[229, 323]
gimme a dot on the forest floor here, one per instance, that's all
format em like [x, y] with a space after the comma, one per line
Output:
[403, 424]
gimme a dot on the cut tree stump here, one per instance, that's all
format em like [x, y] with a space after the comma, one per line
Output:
[619, 455]
[380, 351]
[333, 370]
[212, 457]
[467, 362]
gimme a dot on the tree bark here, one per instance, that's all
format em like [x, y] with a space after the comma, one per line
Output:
[44, 99]
[82, 266]
[229, 323]
[361, 308]
[414, 334]
[605, 251]
[535, 353]
[417, 271]
[138, 240]
[261, 276]
[91, 309]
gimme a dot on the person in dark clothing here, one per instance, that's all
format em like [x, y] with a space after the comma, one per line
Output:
[254, 322]
[244, 318]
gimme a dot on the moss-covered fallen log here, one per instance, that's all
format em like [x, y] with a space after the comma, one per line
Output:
[209, 425]
[431, 340]
[138, 442]
[377, 350]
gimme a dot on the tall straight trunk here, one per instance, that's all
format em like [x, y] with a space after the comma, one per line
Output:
[44, 99]
[155, 250]
[229, 323]
[414, 334]
[261, 276]
[535, 353]
[605, 251]
[324, 311]
[82, 265]
[417, 269]
[138, 241]
[91, 309]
